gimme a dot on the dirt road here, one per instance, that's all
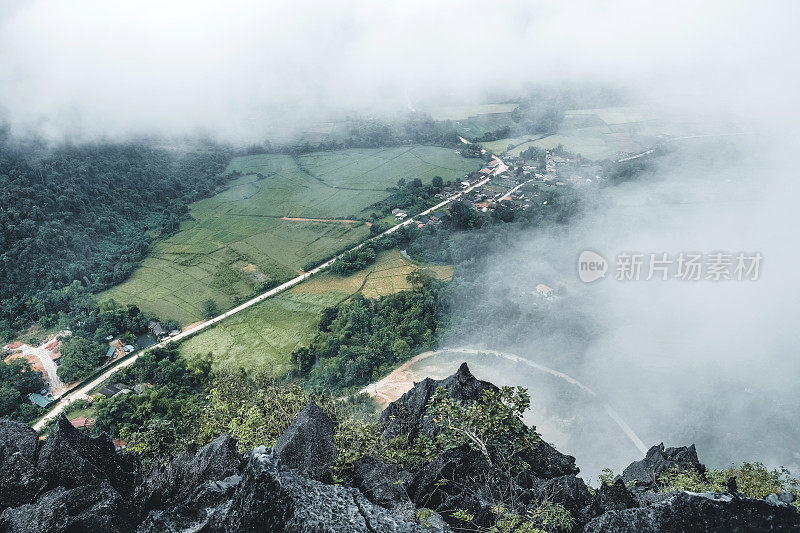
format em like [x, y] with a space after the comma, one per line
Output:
[83, 391]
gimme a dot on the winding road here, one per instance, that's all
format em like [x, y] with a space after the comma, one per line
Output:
[83, 390]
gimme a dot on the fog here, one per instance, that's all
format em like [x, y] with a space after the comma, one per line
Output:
[705, 362]
[242, 70]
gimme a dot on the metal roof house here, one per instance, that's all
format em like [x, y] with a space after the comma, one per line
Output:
[38, 399]
[157, 329]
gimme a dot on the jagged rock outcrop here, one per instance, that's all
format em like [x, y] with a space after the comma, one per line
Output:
[20, 437]
[406, 416]
[192, 481]
[613, 497]
[20, 481]
[381, 481]
[709, 512]
[70, 459]
[307, 445]
[274, 498]
[76, 483]
[658, 461]
[94, 508]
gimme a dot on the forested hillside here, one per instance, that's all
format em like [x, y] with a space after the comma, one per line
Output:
[87, 213]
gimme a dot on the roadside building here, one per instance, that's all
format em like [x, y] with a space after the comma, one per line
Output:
[111, 390]
[39, 400]
[110, 352]
[156, 328]
[82, 422]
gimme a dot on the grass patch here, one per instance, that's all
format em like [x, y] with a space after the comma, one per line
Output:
[237, 242]
[263, 337]
[462, 112]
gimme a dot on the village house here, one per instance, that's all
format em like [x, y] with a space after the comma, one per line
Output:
[156, 328]
[109, 391]
[545, 291]
[39, 400]
[82, 422]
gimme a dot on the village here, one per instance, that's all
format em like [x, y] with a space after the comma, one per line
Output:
[46, 358]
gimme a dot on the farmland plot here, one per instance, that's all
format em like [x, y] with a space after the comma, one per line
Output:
[241, 240]
[263, 337]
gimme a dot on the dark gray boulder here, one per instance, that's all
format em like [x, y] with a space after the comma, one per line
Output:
[546, 462]
[706, 512]
[658, 461]
[18, 436]
[186, 478]
[20, 482]
[406, 415]
[614, 497]
[94, 508]
[71, 459]
[381, 481]
[276, 499]
[570, 491]
[307, 445]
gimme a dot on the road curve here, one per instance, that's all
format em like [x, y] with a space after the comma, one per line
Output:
[83, 391]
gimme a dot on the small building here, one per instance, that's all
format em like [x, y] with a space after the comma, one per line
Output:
[128, 348]
[38, 399]
[545, 291]
[109, 391]
[465, 184]
[111, 351]
[157, 329]
[82, 422]
[119, 444]
[140, 388]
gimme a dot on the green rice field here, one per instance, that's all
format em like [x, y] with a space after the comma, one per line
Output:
[262, 337]
[240, 241]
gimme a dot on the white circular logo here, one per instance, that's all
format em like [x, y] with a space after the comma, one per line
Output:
[591, 266]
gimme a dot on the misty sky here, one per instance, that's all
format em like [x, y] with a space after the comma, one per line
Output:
[240, 70]
[234, 69]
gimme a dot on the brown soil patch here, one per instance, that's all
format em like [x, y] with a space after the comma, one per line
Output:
[36, 365]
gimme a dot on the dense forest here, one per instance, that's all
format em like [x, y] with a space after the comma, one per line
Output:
[88, 213]
[75, 220]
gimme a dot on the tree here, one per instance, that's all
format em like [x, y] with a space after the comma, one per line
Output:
[492, 425]
[79, 358]
[210, 308]
[437, 182]
[303, 358]
[463, 217]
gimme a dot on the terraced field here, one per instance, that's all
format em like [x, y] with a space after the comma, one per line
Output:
[263, 337]
[240, 240]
